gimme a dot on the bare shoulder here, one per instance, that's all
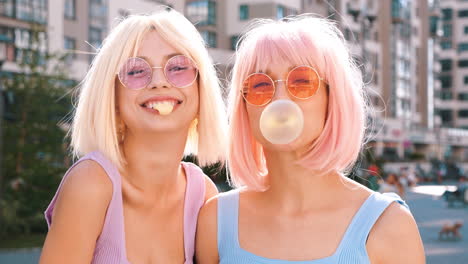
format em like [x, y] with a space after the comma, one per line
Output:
[87, 184]
[207, 232]
[210, 188]
[395, 237]
[79, 214]
[209, 211]
[87, 181]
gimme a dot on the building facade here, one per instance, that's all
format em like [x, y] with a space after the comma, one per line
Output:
[413, 54]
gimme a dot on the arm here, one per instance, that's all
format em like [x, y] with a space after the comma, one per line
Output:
[395, 238]
[78, 216]
[206, 248]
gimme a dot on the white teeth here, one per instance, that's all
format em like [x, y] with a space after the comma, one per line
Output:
[163, 107]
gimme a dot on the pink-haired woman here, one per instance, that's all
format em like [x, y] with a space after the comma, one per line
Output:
[297, 123]
[150, 96]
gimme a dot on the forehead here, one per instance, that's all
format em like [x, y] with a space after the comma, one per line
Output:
[155, 48]
[278, 68]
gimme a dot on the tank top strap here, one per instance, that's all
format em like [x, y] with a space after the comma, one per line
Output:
[367, 216]
[228, 217]
[194, 200]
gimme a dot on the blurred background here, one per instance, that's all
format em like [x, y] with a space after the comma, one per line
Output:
[413, 55]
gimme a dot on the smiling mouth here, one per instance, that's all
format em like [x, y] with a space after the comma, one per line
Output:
[164, 107]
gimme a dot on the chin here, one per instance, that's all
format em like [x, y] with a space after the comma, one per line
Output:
[172, 128]
[300, 144]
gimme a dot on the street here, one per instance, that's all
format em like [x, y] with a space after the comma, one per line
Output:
[431, 213]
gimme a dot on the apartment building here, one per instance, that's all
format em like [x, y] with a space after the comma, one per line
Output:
[412, 53]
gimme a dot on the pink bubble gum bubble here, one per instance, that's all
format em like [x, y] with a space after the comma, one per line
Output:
[281, 122]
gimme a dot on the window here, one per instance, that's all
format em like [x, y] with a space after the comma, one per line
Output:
[396, 7]
[210, 38]
[70, 47]
[463, 96]
[447, 14]
[7, 34]
[446, 116]
[405, 30]
[234, 40]
[243, 12]
[446, 95]
[465, 30]
[447, 30]
[463, 13]
[462, 47]
[465, 80]
[70, 12]
[463, 113]
[446, 65]
[7, 8]
[446, 81]
[95, 37]
[280, 12]
[463, 63]
[32, 10]
[445, 45]
[202, 12]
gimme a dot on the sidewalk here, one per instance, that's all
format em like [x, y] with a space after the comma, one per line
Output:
[20, 256]
[431, 213]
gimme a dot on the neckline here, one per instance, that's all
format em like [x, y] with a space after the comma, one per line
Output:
[347, 233]
[186, 168]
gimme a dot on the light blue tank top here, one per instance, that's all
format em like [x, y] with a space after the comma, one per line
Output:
[351, 250]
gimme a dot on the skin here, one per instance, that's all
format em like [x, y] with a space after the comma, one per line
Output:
[153, 181]
[299, 208]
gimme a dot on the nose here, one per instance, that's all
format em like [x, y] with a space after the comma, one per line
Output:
[281, 90]
[158, 79]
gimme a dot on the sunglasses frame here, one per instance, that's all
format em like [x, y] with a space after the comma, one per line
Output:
[287, 86]
[159, 67]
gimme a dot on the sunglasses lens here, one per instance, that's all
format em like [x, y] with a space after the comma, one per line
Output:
[181, 71]
[258, 89]
[303, 82]
[135, 73]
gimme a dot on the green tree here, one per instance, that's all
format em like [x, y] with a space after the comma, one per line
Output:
[34, 150]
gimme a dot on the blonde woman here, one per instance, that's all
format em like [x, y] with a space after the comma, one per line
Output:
[150, 96]
[297, 122]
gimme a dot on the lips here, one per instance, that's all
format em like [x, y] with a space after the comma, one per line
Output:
[162, 105]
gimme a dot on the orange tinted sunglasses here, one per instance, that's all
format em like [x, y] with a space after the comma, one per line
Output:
[302, 82]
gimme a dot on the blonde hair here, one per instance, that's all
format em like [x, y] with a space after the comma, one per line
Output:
[302, 40]
[95, 122]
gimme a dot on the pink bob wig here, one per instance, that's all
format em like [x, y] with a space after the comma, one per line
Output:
[301, 40]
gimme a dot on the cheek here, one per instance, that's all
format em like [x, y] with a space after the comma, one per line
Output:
[315, 114]
[253, 114]
[193, 96]
[191, 106]
[124, 101]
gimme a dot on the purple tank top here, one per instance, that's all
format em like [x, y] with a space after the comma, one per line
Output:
[110, 246]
